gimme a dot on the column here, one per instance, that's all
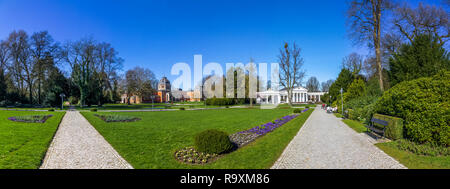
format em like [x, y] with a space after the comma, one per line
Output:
[273, 99]
[294, 97]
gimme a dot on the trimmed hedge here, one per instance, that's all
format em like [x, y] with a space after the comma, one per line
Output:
[220, 101]
[213, 142]
[424, 104]
[394, 130]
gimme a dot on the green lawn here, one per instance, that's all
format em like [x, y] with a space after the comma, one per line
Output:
[23, 145]
[414, 161]
[355, 125]
[152, 142]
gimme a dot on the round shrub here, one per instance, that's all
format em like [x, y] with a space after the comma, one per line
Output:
[424, 104]
[182, 108]
[51, 110]
[297, 111]
[93, 109]
[213, 142]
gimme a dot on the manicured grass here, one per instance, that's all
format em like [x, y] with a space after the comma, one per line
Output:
[23, 145]
[414, 161]
[152, 142]
[355, 125]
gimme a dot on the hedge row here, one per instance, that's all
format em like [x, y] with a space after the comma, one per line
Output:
[394, 129]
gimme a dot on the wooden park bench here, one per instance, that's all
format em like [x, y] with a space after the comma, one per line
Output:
[375, 129]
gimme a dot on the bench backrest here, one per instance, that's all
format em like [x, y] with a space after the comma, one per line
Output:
[379, 121]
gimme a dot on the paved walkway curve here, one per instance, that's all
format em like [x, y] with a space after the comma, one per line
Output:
[325, 142]
[77, 145]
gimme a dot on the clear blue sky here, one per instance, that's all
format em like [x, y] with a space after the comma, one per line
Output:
[158, 34]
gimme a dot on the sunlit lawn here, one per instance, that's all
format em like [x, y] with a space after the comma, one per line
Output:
[413, 161]
[152, 142]
[23, 145]
[355, 125]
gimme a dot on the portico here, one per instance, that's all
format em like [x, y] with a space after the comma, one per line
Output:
[299, 95]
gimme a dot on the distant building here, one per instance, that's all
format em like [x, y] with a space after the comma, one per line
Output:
[164, 94]
[299, 95]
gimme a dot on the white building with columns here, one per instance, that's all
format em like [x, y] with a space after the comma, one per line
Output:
[299, 95]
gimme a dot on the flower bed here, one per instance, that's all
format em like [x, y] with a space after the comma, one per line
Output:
[244, 137]
[117, 118]
[31, 118]
[192, 156]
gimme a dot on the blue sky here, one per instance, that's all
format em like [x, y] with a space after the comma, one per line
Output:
[158, 34]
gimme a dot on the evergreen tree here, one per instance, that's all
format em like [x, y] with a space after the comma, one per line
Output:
[344, 79]
[424, 57]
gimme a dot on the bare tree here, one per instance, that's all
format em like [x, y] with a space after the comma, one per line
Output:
[365, 20]
[326, 85]
[139, 81]
[108, 64]
[291, 63]
[4, 55]
[313, 84]
[425, 19]
[22, 65]
[353, 62]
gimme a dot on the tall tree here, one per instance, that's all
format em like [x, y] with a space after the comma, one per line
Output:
[81, 57]
[365, 21]
[43, 51]
[291, 64]
[313, 84]
[344, 80]
[22, 65]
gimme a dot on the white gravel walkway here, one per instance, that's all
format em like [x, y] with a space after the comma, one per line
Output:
[77, 145]
[325, 142]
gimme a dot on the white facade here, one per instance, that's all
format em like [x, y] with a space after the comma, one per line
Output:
[299, 95]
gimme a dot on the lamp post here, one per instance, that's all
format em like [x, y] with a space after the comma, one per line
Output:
[329, 101]
[342, 100]
[62, 95]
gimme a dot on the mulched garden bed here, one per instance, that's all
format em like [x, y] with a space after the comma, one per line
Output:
[117, 118]
[31, 118]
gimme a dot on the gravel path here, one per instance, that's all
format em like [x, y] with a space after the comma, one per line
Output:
[325, 142]
[77, 145]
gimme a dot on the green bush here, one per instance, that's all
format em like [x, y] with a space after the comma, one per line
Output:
[297, 111]
[182, 108]
[362, 108]
[394, 130]
[424, 104]
[351, 114]
[51, 110]
[213, 142]
[93, 109]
